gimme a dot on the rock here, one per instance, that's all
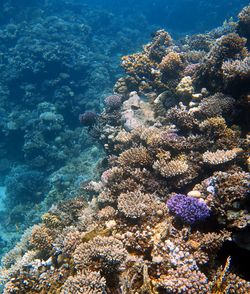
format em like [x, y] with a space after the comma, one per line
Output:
[194, 193]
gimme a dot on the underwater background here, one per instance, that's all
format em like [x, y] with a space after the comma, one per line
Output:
[124, 127]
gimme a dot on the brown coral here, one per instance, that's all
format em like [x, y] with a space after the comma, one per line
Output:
[219, 156]
[216, 105]
[102, 253]
[41, 237]
[184, 280]
[156, 49]
[171, 64]
[136, 204]
[171, 168]
[236, 72]
[85, 282]
[182, 118]
[244, 22]
[137, 156]
[228, 46]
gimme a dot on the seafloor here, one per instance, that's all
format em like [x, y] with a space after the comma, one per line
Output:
[171, 212]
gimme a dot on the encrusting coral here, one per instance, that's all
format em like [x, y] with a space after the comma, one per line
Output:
[173, 191]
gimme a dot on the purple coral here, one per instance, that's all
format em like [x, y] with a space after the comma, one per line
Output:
[189, 209]
[88, 118]
[113, 102]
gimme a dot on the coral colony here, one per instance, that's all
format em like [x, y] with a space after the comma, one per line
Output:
[174, 191]
[189, 209]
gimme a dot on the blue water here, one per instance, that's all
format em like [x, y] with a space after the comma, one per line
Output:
[57, 60]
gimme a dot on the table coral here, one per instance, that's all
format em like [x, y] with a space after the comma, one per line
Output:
[171, 168]
[219, 156]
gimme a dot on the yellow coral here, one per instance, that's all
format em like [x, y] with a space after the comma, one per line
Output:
[171, 63]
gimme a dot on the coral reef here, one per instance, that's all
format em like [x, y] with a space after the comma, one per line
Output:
[172, 203]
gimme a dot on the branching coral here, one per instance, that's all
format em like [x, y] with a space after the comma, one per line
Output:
[41, 237]
[187, 208]
[85, 282]
[135, 157]
[171, 168]
[184, 163]
[244, 22]
[184, 280]
[136, 204]
[218, 104]
[219, 156]
[236, 71]
[228, 46]
[181, 117]
[113, 102]
[185, 87]
[171, 63]
[101, 253]
[160, 42]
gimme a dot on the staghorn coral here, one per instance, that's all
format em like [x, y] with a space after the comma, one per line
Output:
[84, 282]
[226, 282]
